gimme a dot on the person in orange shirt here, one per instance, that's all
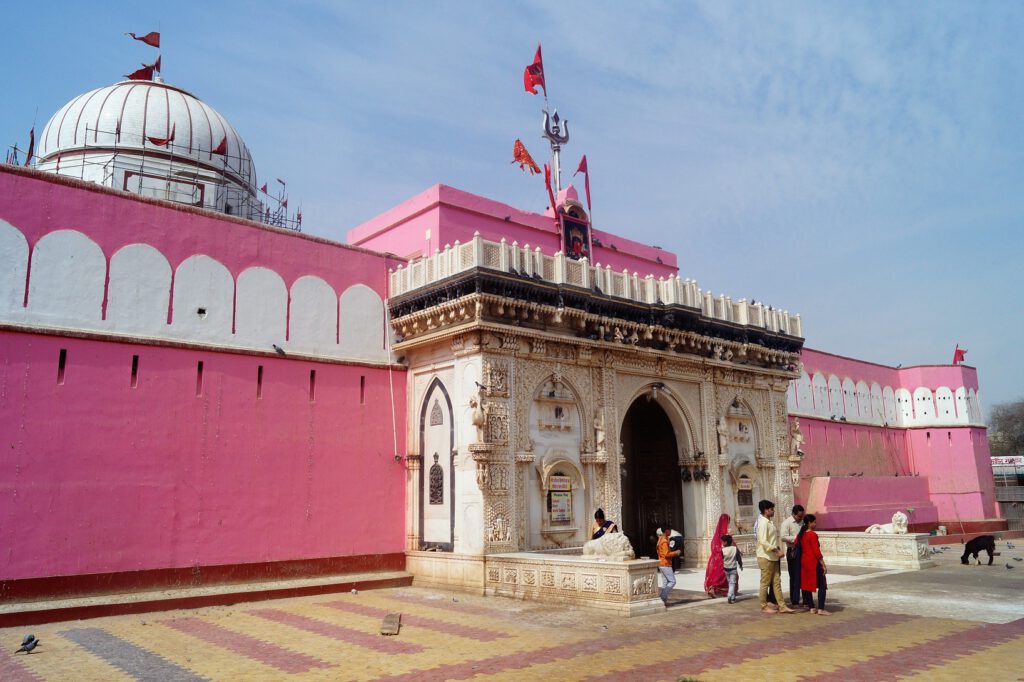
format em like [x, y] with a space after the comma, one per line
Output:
[665, 555]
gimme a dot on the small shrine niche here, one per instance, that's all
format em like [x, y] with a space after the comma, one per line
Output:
[576, 241]
[563, 498]
[436, 481]
[738, 444]
[555, 407]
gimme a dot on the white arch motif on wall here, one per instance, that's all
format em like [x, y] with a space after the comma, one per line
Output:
[924, 406]
[904, 407]
[945, 406]
[361, 323]
[891, 414]
[261, 308]
[864, 401]
[850, 406]
[804, 394]
[139, 290]
[313, 315]
[877, 406]
[820, 386]
[835, 397]
[67, 279]
[13, 270]
[203, 300]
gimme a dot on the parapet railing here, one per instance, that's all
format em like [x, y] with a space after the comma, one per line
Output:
[559, 269]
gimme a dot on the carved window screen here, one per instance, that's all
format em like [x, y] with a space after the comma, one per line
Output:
[436, 416]
[436, 483]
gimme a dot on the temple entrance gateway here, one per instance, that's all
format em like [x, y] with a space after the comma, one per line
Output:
[651, 487]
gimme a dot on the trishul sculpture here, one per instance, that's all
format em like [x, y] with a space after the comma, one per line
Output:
[556, 132]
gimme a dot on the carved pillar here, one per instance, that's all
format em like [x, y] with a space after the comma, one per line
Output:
[780, 443]
[414, 464]
[709, 437]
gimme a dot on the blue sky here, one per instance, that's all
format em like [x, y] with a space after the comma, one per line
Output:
[861, 164]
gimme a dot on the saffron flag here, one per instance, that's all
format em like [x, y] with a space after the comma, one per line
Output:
[163, 141]
[143, 74]
[958, 354]
[152, 38]
[523, 158]
[264, 188]
[222, 148]
[551, 194]
[31, 145]
[534, 75]
[586, 178]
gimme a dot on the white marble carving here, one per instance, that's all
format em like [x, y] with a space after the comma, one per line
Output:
[614, 546]
[898, 526]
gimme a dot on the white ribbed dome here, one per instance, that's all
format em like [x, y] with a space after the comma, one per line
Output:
[121, 117]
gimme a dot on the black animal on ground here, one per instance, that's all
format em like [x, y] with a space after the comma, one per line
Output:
[981, 543]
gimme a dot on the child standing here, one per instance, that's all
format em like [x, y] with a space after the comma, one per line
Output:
[732, 561]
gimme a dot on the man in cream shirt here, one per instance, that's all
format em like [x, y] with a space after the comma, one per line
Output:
[768, 559]
[789, 530]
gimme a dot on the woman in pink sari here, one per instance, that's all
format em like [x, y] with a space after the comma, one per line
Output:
[716, 583]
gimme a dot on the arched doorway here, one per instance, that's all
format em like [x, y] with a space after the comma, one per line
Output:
[651, 486]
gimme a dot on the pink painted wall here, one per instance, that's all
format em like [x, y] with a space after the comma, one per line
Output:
[958, 465]
[932, 376]
[453, 215]
[856, 503]
[38, 203]
[102, 477]
[840, 449]
[97, 476]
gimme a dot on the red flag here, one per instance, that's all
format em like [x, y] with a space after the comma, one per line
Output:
[152, 38]
[586, 178]
[551, 194]
[534, 75]
[156, 64]
[222, 148]
[163, 141]
[264, 188]
[958, 354]
[523, 158]
[143, 74]
[284, 204]
[31, 145]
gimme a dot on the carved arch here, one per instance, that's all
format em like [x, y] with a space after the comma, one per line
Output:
[686, 432]
[427, 402]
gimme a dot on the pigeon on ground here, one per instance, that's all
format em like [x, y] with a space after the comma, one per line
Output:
[29, 645]
[28, 639]
[1010, 545]
[1017, 558]
[1008, 566]
[355, 591]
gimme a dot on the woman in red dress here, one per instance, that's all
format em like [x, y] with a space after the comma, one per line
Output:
[716, 583]
[812, 566]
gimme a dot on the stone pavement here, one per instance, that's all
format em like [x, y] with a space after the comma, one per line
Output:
[950, 622]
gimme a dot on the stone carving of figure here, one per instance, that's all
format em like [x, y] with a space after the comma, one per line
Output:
[436, 482]
[899, 525]
[723, 436]
[599, 437]
[483, 476]
[796, 442]
[614, 546]
[479, 417]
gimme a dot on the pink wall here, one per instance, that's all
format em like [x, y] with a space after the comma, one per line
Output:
[102, 477]
[840, 449]
[958, 465]
[38, 203]
[931, 376]
[453, 215]
[856, 503]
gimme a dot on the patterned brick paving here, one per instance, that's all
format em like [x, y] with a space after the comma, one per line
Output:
[334, 637]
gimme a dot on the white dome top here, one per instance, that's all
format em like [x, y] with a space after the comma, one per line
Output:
[121, 117]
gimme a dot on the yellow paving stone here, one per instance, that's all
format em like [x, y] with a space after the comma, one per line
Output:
[832, 655]
[58, 659]
[1001, 662]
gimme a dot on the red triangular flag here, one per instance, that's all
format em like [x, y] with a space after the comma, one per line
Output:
[222, 148]
[152, 38]
[284, 204]
[31, 145]
[156, 64]
[164, 141]
[534, 75]
[523, 158]
[143, 74]
[264, 188]
[586, 178]
[958, 354]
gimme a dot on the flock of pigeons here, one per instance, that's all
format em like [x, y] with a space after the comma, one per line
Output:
[1009, 545]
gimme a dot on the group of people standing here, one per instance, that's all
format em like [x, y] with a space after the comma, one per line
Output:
[804, 560]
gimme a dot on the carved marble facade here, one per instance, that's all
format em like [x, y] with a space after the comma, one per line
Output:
[540, 384]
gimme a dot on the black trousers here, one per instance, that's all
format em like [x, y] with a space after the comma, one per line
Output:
[822, 588]
[793, 566]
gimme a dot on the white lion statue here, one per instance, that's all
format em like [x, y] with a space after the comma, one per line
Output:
[898, 525]
[614, 546]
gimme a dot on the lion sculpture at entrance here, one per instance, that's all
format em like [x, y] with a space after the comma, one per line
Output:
[898, 525]
[614, 546]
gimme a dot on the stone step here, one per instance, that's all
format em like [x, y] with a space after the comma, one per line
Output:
[96, 606]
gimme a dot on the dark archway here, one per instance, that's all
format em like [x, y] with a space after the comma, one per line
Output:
[651, 487]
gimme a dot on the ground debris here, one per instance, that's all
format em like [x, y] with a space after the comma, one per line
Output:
[391, 624]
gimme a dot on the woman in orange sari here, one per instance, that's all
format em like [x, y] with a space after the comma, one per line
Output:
[812, 566]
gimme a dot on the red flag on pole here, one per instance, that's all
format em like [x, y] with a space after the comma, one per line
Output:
[163, 141]
[523, 158]
[143, 74]
[264, 188]
[152, 38]
[958, 354]
[284, 204]
[586, 178]
[534, 75]
[156, 64]
[551, 194]
[31, 145]
[222, 148]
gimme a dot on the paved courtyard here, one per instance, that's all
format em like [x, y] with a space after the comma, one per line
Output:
[952, 622]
